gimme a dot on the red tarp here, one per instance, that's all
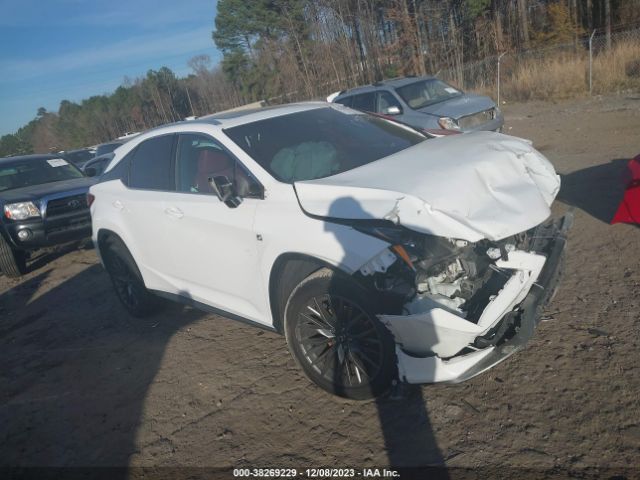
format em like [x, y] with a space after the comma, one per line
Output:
[629, 209]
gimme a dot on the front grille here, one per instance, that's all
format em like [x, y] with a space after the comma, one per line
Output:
[477, 119]
[81, 223]
[65, 205]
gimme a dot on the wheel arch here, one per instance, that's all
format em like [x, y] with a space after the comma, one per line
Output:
[105, 234]
[288, 270]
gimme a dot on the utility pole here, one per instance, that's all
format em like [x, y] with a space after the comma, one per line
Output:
[499, 58]
[591, 62]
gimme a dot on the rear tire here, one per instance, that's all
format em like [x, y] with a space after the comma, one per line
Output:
[333, 333]
[13, 263]
[127, 280]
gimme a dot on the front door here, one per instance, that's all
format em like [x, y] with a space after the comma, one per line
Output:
[214, 257]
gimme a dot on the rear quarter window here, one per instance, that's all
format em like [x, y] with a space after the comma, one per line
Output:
[151, 165]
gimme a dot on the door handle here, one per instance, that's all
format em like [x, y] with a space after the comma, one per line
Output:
[174, 212]
[118, 204]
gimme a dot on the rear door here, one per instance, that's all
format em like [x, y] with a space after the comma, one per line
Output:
[142, 210]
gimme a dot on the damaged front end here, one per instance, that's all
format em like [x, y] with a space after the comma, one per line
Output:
[456, 308]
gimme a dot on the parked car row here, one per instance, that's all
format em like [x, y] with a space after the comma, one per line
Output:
[97, 155]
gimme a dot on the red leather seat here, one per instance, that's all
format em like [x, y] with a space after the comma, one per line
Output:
[212, 163]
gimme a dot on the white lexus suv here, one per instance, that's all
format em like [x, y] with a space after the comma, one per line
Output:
[382, 255]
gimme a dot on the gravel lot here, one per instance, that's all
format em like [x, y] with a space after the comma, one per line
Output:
[84, 384]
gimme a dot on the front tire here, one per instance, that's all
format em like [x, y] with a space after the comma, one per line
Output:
[127, 280]
[13, 263]
[333, 333]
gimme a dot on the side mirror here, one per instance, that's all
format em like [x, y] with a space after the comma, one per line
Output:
[392, 110]
[90, 171]
[223, 188]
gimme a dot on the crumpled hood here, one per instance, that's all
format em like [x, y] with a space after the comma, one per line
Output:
[472, 186]
[460, 106]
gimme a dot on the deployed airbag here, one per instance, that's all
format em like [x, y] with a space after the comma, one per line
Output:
[306, 160]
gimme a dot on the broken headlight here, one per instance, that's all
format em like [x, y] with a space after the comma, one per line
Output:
[401, 239]
[421, 252]
[389, 233]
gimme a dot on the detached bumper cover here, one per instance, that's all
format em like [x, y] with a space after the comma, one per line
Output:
[463, 367]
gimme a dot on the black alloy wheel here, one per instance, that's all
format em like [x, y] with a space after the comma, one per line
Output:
[127, 281]
[126, 284]
[334, 334]
[340, 341]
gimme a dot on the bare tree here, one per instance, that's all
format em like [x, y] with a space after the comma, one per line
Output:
[607, 19]
[524, 21]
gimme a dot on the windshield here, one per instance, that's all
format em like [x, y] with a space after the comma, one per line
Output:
[427, 92]
[321, 142]
[35, 171]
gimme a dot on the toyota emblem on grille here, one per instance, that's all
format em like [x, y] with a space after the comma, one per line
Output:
[74, 203]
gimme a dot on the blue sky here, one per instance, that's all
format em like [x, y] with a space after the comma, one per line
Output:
[52, 50]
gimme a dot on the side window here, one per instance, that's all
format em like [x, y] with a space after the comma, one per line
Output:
[151, 165]
[200, 157]
[386, 100]
[121, 170]
[365, 101]
[346, 101]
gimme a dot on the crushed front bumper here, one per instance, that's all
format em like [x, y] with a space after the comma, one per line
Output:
[434, 369]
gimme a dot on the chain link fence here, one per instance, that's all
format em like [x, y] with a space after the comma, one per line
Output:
[592, 64]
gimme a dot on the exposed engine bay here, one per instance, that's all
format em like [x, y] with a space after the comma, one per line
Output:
[448, 299]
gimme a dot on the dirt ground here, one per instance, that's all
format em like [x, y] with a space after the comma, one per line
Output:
[84, 384]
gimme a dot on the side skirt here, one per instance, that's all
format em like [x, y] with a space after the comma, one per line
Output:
[209, 309]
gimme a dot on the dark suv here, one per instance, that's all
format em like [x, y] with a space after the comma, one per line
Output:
[43, 202]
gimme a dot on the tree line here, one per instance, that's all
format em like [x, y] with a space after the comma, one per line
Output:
[288, 50]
